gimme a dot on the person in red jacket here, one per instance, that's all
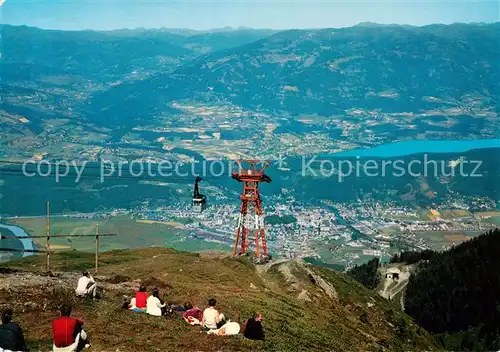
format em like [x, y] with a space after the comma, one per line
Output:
[141, 297]
[138, 302]
[68, 332]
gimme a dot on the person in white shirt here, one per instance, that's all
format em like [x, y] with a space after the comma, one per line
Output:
[211, 317]
[86, 285]
[154, 305]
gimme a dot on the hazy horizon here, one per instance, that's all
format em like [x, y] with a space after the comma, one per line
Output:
[248, 28]
[203, 15]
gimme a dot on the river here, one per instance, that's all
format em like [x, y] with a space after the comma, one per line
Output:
[19, 232]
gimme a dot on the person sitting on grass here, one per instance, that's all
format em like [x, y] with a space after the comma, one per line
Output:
[229, 328]
[192, 315]
[138, 303]
[181, 308]
[253, 328]
[86, 286]
[211, 318]
[154, 305]
[68, 333]
[11, 334]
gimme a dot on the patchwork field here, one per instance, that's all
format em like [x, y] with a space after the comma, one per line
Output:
[490, 217]
[494, 220]
[488, 214]
[453, 214]
[447, 214]
[131, 233]
[456, 238]
[169, 223]
[438, 239]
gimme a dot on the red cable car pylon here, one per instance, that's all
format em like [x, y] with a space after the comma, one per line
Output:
[251, 173]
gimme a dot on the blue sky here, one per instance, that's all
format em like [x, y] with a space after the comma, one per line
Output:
[206, 14]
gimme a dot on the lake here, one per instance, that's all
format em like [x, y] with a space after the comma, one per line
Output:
[421, 146]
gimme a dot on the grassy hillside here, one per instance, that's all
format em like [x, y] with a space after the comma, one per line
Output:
[304, 307]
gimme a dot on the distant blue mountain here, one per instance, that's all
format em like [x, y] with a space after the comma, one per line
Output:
[126, 75]
[326, 72]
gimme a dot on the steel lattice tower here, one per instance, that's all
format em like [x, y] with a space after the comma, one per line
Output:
[251, 173]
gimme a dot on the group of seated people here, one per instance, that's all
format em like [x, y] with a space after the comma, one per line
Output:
[211, 321]
[144, 303]
[67, 332]
[69, 336]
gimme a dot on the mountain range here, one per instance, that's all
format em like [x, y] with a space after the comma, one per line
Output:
[229, 93]
[326, 72]
[125, 75]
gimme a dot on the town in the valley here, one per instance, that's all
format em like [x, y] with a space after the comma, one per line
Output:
[338, 234]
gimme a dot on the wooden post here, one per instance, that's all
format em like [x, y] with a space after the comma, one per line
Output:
[47, 234]
[96, 247]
